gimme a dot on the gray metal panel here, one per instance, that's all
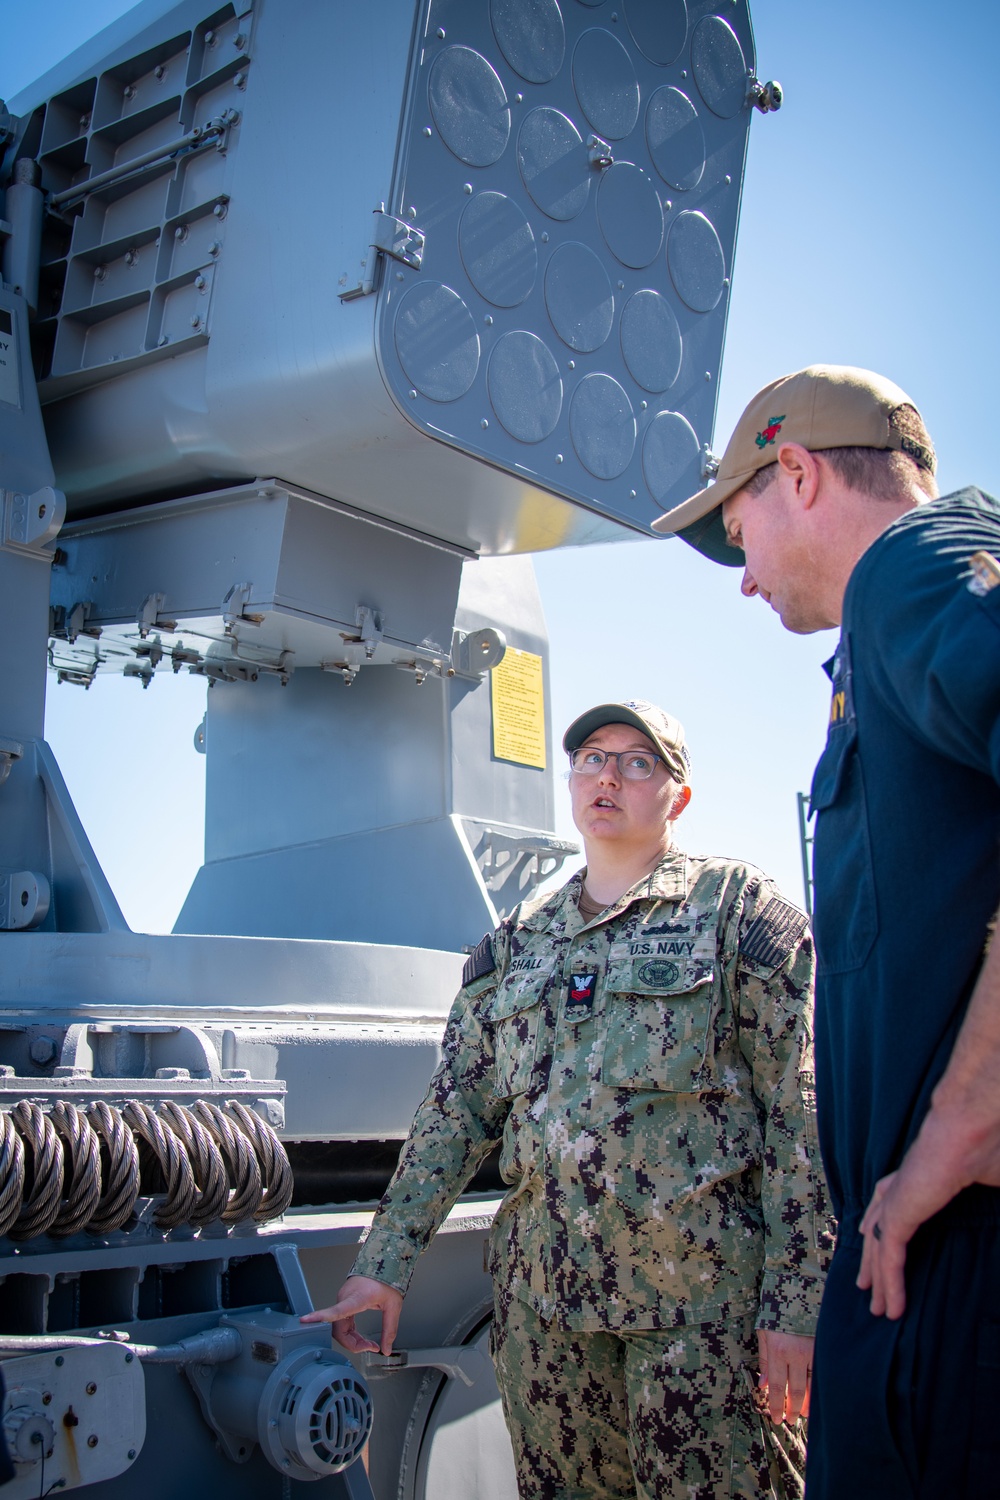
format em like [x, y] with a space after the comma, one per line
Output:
[417, 884]
[518, 338]
[78, 974]
[192, 315]
[307, 565]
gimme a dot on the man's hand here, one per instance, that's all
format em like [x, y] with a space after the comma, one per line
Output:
[958, 1144]
[785, 1373]
[360, 1294]
[945, 1158]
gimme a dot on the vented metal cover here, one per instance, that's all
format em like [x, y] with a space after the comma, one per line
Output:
[575, 170]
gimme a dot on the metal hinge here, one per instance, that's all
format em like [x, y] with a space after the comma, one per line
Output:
[392, 237]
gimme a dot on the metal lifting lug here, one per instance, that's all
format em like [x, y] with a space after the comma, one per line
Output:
[767, 97]
[473, 654]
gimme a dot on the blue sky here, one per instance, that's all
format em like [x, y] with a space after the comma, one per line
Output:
[868, 236]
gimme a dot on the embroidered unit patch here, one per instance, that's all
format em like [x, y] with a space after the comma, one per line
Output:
[480, 961]
[773, 934]
[770, 431]
[659, 972]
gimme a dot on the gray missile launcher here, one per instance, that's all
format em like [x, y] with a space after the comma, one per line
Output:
[315, 321]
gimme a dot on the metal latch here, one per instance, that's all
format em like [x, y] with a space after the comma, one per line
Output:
[393, 237]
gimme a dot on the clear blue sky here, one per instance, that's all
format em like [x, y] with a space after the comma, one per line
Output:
[868, 236]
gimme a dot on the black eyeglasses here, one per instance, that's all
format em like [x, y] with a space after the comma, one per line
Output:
[633, 765]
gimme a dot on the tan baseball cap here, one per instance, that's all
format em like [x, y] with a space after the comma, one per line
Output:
[665, 732]
[824, 406]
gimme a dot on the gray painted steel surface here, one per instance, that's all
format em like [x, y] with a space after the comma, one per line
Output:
[287, 428]
[560, 189]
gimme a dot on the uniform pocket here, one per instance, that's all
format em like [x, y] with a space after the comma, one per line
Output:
[657, 1020]
[846, 920]
[516, 1013]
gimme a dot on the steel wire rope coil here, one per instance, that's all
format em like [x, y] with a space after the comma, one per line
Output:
[211, 1182]
[275, 1168]
[171, 1158]
[82, 1159]
[43, 1171]
[242, 1167]
[119, 1168]
[11, 1173]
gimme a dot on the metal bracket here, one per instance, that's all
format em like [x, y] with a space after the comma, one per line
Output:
[369, 623]
[148, 617]
[234, 604]
[475, 653]
[392, 237]
[143, 670]
[10, 751]
[506, 851]
[24, 900]
[709, 462]
[30, 521]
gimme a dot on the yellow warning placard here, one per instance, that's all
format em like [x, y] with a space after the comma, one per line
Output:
[519, 709]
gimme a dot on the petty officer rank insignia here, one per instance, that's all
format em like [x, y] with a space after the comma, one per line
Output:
[580, 1000]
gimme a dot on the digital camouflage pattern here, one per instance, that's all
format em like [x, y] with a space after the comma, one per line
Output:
[649, 1075]
[640, 1414]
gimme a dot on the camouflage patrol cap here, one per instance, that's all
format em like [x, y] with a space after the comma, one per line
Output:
[665, 732]
[824, 406]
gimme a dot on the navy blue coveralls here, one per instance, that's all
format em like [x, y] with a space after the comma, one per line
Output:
[907, 881]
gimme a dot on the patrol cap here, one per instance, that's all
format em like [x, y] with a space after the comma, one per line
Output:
[665, 732]
[824, 406]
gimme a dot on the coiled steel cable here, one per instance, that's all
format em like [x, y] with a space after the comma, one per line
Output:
[71, 1169]
[242, 1167]
[211, 1184]
[119, 1168]
[82, 1162]
[11, 1173]
[275, 1169]
[163, 1148]
[43, 1171]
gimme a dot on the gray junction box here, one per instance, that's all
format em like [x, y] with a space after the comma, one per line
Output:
[311, 315]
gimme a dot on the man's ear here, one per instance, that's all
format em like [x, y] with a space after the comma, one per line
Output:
[802, 468]
[682, 797]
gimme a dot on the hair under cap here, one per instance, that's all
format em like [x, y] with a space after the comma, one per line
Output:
[664, 731]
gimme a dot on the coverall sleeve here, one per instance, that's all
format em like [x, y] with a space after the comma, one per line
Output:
[774, 983]
[454, 1128]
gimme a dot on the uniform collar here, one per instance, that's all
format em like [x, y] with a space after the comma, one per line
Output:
[669, 881]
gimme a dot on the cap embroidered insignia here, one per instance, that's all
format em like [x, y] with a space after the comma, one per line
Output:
[770, 432]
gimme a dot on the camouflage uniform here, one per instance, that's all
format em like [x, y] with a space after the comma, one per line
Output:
[647, 1074]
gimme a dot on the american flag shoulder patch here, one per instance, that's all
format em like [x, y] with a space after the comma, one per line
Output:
[773, 934]
[480, 961]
